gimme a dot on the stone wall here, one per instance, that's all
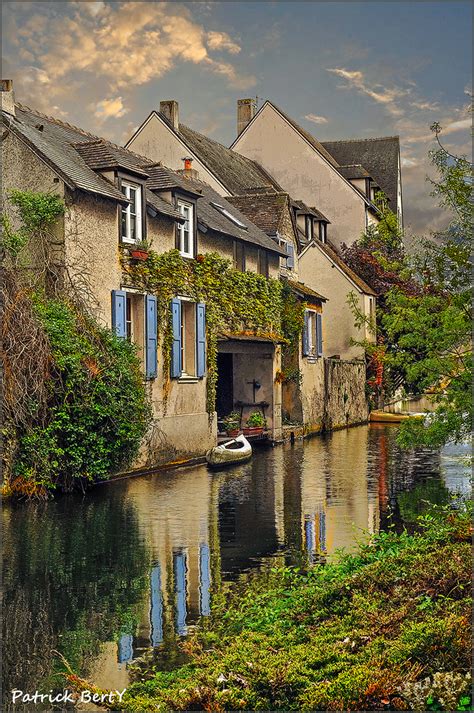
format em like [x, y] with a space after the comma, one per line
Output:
[345, 401]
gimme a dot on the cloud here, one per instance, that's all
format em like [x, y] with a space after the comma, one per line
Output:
[222, 41]
[457, 126]
[316, 119]
[382, 95]
[125, 44]
[108, 108]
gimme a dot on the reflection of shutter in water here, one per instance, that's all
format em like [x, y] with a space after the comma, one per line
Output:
[309, 535]
[322, 530]
[125, 648]
[179, 561]
[156, 607]
[204, 580]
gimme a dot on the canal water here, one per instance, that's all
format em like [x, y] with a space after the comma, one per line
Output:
[127, 570]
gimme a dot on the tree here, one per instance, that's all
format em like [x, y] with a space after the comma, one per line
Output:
[424, 316]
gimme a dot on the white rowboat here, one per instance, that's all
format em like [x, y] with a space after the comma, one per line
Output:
[236, 450]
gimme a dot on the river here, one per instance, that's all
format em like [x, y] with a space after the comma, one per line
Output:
[129, 568]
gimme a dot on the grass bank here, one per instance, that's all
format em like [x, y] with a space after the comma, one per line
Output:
[385, 628]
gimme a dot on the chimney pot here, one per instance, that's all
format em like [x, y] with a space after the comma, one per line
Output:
[8, 98]
[170, 109]
[245, 113]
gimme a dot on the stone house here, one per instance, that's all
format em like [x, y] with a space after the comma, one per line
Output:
[114, 200]
[303, 167]
[257, 192]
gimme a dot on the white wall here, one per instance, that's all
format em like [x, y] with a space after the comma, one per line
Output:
[303, 172]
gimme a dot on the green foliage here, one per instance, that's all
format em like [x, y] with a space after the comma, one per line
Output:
[345, 636]
[38, 211]
[236, 302]
[256, 420]
[97, 406]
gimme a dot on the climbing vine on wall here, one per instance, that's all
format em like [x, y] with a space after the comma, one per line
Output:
[236, 303]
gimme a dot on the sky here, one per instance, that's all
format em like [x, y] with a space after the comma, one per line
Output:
[340, 69]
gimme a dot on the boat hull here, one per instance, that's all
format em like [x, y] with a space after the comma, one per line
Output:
[225, 454]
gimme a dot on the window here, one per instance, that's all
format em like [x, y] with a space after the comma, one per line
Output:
[134, 317]
[239, 256]
[229, 215]
[289, 261]
[263, 262]
[186, 229]
[322, 231]
[131, 231]
[309, 227]
[188, 353]
[188, 338]
[312, 334]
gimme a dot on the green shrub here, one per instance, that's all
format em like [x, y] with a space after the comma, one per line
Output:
[97, 406]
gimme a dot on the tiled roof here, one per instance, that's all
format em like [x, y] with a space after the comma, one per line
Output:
[66, 161]
[353, 171]
[379, 156]
[236, 172]
[307, 210]
[208, 215]
[161, 205]
[263, 209]
[331, 252]
[101, 155]
[305, 291]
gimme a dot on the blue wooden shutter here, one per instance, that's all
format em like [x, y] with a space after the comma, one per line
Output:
[151, 336]
[176, 366]
[200, 339]
[119, 311]
[319, 333]
[290, 260]
[306, 334]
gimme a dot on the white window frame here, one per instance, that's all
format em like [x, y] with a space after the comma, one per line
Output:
[312, 347]
[182, 206]
[127, 187]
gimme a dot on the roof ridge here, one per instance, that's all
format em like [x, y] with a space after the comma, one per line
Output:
[93, 137]
[368, 138]
[55, 120]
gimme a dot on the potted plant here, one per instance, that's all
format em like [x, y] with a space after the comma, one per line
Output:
[140, 251]
[232, 424]
[255, 424]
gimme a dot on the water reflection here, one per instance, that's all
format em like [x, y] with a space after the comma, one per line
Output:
[135, 565]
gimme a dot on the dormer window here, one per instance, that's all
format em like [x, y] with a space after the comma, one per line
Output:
[131, 225]
[309, 227]
[323, 231]
[186, 229]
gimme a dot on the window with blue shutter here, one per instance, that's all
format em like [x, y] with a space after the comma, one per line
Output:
[200, 339]
[306, 334]
[176, 355]
[290, 260]
[319, 334]
[151, 353]
[119, 313]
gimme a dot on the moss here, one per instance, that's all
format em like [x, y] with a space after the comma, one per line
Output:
[349, 635]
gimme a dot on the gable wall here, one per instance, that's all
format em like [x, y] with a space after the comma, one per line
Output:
[338, 321]
[157, 142]
[301, 171]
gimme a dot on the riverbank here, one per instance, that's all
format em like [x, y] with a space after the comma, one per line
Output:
[384, 628]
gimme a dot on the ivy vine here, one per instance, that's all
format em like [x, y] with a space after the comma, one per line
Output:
[237, 303]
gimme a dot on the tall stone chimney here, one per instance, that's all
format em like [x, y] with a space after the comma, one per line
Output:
[245, 113]
[8, 98]
[170, 109]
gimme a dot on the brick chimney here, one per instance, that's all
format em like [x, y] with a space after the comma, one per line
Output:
[245, 113]
[8, 98]
[170, 109]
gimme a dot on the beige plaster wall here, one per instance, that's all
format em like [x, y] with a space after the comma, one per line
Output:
[159, 143]
[304, 173]
[259, 361]
[316, 270]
